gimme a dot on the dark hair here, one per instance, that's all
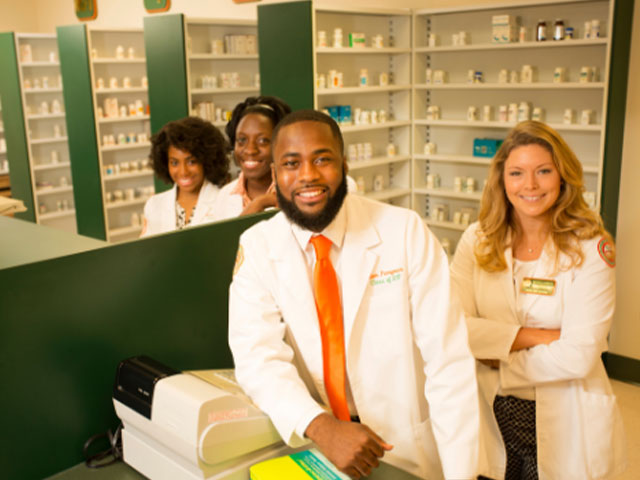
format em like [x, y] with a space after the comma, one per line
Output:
[198, 137]
[310, 116]
[271, 107]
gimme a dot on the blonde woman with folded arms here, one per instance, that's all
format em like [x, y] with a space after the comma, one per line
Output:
[536, 277]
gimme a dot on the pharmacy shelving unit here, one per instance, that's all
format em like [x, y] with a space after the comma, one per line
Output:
[104, 71]
[210, 57]
[453, 132]
[291, 61]
[190, 62]
[40, 168]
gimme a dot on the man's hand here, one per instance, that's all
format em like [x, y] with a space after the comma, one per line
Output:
[352, 447]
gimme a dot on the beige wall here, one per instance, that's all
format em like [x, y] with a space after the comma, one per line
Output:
[19, 16]
[625, 334]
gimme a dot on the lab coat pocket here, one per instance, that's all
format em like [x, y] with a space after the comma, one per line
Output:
[386, 330]
[603, 434]
[414, 450]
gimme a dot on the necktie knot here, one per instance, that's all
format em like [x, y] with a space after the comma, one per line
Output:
[322, 246]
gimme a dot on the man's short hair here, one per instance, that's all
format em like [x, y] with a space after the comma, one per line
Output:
[310, 116]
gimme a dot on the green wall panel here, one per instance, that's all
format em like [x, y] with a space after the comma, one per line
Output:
[285, 37]
[14, 126]
[80, 117]
[167, 73]
[67, 322]
[617, 103]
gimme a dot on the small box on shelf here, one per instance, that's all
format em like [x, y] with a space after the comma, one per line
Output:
[485, 147]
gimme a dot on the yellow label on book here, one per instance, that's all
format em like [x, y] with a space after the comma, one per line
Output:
[305, 465]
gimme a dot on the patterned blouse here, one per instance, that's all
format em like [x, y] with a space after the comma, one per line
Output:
[181, 214]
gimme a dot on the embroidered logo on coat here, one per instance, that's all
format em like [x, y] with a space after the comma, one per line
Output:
[605, 249]
[385, 276]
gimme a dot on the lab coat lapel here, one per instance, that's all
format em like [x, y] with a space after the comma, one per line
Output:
[203, 203]
[506, 283]
[169, 210]
[358, 262]
[292, 273]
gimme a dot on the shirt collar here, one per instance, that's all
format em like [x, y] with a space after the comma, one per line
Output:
[334, 231]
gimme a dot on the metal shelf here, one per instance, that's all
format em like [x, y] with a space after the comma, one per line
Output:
[511, 86]
[447, 225]
[376, 161]
[125, 203]
[58, 214]
[388, 193]
[130, 118]
[518, 45]
[204, 91]
[374, 126]
[121, 176]
[362, 50]
[440, 192]
[53, 190]
[51, 166]
[212, 56]
[506, 125]
[40, 141]
[367, 89]
[117, 60]
[126, 146]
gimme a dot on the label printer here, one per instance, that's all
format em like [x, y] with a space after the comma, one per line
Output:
[190, 425]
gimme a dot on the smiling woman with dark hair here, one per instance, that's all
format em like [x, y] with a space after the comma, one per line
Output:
[192, 155]
[249, 131]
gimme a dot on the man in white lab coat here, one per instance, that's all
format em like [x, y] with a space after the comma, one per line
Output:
[410, 379]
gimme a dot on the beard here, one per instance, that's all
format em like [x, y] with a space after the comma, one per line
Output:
[317, 222]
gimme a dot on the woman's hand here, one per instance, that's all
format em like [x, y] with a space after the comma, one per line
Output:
[261, 203]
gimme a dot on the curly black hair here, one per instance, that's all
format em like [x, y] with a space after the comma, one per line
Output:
[273, 108]
[198, 137]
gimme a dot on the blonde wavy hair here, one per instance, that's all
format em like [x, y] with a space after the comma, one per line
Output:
[571, 218]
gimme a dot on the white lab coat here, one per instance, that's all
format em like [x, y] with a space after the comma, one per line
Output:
[160, 209]
[579, 427]
[228, 204]
[396, 332]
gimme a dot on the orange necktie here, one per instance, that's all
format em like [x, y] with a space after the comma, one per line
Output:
[331, 327]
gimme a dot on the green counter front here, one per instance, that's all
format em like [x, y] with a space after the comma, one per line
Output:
[71, 308]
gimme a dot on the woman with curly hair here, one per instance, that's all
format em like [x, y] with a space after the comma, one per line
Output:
[536, 279]
[249, 132]
[191, 154]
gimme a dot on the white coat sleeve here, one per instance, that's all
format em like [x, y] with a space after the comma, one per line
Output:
[263, 360]
[488, 339]
[586, 319]
[441, 336]
[149, 217]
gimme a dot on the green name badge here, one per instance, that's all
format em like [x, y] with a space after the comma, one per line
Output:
[538, 286]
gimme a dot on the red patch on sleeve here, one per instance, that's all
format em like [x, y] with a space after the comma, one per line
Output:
[605, 249]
